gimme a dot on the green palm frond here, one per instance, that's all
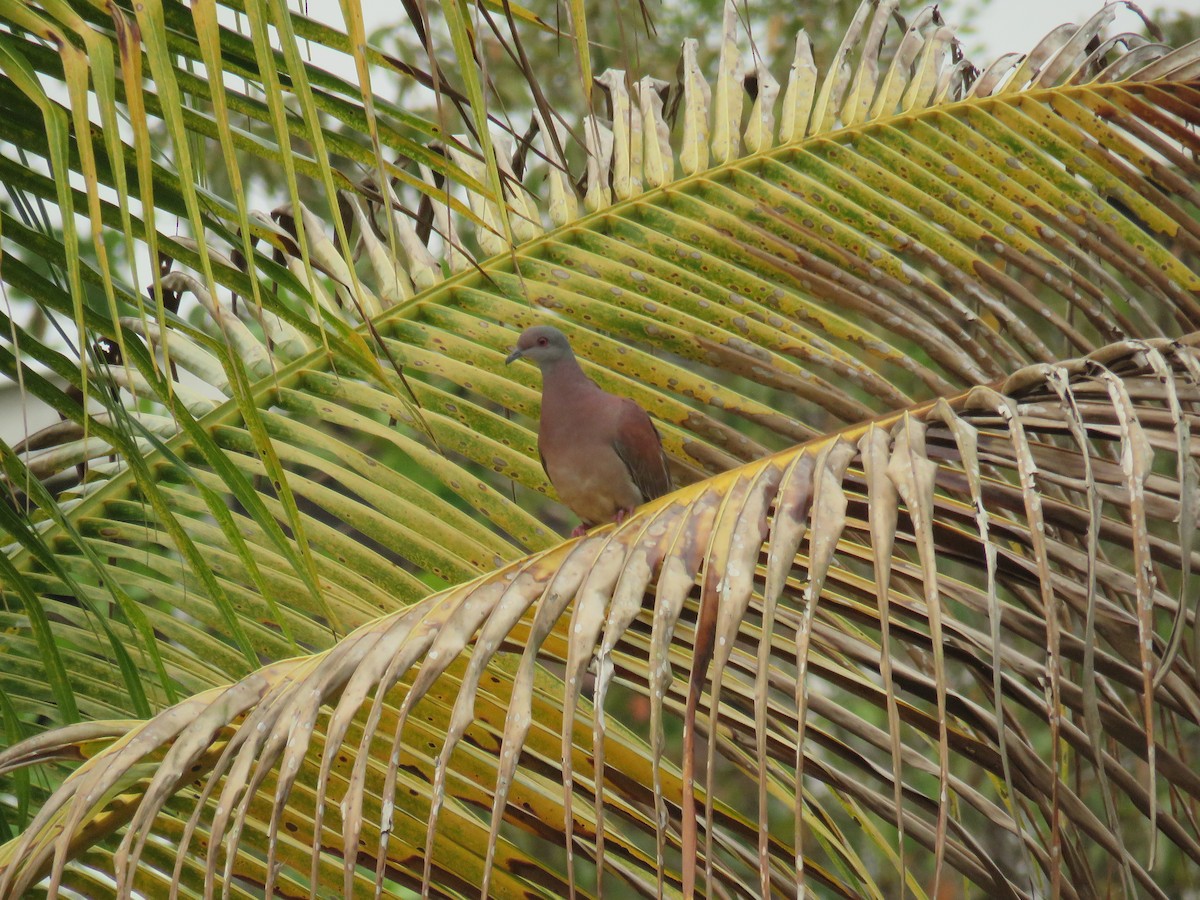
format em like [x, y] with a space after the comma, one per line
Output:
[309, 426]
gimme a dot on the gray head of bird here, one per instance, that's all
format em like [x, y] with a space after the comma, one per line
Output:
[543, 345]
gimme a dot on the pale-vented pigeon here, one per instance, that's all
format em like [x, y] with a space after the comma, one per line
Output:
[601, 452]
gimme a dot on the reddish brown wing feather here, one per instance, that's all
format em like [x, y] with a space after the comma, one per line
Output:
[640, 448]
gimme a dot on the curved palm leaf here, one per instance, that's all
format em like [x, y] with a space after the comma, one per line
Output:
[759, 594]
[916, 234]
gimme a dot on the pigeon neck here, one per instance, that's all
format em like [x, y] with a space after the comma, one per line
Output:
[565, 373]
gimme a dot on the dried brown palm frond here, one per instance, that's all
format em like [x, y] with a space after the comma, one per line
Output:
[975, 573]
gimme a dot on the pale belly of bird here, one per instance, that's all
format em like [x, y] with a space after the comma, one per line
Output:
[596, 490]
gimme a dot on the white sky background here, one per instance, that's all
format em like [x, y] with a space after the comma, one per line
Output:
[1001, 26]
[997, 26]
[988, 28]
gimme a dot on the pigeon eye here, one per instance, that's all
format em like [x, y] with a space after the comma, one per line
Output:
[542, 342]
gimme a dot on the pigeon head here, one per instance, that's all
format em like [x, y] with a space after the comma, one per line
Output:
[543, 345]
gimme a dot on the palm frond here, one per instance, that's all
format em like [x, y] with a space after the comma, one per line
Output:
[308, 425]
[1004, 537]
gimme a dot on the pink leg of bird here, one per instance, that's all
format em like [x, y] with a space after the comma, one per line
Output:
[580, 530]
[622, 515]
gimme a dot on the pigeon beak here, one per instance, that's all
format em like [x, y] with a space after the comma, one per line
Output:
[516, 354]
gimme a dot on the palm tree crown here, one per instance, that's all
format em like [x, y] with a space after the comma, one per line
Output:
[285, 608]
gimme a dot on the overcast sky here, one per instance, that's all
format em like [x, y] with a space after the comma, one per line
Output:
[1016, 25]
[996, 26]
